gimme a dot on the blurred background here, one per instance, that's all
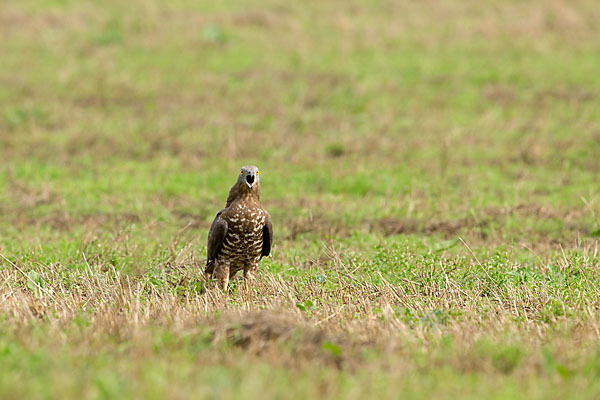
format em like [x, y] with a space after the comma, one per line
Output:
[431, 169]
[416, 118]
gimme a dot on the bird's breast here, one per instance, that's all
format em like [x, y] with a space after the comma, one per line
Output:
[244, 233]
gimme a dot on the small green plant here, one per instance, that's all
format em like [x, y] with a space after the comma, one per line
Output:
[332, 348]
[304, 306]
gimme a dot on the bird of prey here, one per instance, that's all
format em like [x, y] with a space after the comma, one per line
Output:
[241, 233]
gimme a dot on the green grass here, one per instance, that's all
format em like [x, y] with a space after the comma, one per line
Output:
[431, 171]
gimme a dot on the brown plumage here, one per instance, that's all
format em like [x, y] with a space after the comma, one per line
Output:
[241, 233]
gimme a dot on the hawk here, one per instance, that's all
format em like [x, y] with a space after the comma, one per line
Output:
[241, 233]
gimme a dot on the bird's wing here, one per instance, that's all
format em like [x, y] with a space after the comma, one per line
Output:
[267, 238]
[216, 234]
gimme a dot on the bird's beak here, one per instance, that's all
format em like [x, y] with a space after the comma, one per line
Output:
[250, 181]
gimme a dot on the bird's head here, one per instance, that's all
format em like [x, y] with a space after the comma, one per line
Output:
[249, 176]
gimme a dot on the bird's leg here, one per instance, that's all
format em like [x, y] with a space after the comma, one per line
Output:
[221, 275]
[250, 275]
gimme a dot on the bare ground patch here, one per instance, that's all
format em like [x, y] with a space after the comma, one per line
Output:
[396, 226]
[494, 221]
[65, 222]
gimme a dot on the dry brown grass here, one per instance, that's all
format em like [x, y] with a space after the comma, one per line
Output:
[353, 316]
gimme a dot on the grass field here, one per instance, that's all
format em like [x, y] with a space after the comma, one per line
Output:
[432, 170]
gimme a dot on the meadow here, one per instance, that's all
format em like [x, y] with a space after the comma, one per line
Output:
[432, 171]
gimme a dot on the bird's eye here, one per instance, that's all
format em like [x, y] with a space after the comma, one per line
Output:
[241, 172]
[257, 172]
